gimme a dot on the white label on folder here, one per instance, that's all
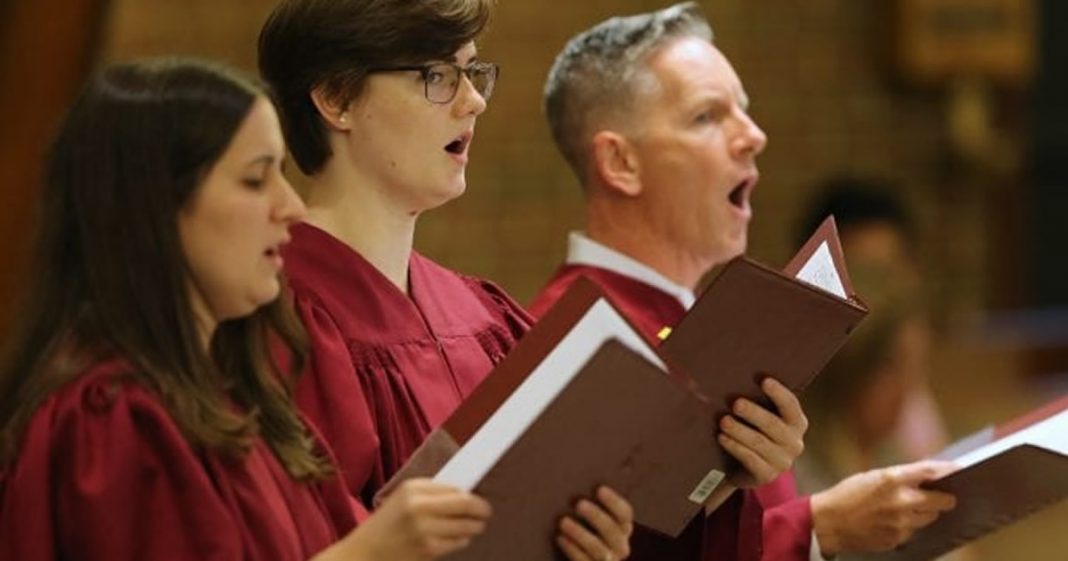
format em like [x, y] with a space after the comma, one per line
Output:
[820, 271]
[601, 323]
[706, 486]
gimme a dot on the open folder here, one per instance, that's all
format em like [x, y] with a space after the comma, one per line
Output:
[1007, 472]
[584, 400]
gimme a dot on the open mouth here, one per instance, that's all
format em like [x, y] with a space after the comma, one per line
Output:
[739, 196]
[274, 252]
[459, 145]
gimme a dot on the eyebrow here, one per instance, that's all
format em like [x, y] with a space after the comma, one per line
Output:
[473, 58]
[265, 159]
[711, 97]
[743, 100]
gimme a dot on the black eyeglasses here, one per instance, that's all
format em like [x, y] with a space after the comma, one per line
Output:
[441, 80]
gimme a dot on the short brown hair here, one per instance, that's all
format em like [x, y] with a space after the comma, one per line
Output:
[306, 44]
[601, 71]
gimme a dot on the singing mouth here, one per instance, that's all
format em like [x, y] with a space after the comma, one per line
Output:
[739, 196]
[459, 145]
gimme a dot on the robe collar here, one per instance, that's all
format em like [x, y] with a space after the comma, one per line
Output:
[439, 303]
[581, 250]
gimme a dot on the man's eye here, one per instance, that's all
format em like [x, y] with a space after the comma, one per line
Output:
[253, 182]
[710, 115]
[706, 117]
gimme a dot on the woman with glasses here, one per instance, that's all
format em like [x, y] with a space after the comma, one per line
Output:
[379, 101]
[142, 417]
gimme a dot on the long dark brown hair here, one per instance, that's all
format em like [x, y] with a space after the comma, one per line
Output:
[109, 276]
[306, 44]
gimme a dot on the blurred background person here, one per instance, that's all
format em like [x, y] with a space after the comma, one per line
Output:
[857, 402]
[872, 405]
[878, 236]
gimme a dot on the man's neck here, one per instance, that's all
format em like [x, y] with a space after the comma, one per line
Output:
[636, 240]
[353, 211]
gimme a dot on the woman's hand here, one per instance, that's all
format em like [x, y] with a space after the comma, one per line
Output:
[605, 532]
[421, 520]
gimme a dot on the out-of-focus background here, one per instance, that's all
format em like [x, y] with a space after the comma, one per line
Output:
[961, 103]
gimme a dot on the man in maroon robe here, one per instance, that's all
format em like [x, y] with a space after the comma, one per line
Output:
[652, 119]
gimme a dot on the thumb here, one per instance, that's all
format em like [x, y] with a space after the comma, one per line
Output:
[924, 470]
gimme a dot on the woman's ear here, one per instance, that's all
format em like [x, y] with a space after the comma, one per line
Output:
[331, 108]
[616, 164]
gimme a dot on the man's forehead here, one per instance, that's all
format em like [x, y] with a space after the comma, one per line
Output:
[693, 67]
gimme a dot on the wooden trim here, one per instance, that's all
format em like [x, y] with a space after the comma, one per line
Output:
[47, 49]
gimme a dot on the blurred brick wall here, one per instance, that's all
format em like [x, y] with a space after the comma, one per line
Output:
[223, 30]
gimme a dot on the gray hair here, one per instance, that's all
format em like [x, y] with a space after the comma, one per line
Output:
[601, 72]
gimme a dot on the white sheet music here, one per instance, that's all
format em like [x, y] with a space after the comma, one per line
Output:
[1051, 434]
[602, 322]
[820, 271]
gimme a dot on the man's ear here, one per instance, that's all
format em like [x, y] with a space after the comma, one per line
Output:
[615, 163]
[331, 108]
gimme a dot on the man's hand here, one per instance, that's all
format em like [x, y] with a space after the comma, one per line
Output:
[765, 444]
[880, 509]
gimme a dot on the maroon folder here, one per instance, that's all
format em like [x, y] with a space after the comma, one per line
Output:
[753, 321]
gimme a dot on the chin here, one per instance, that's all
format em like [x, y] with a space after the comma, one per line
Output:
[727, 251]
[262, 298]
[443, 197]
[456, 188]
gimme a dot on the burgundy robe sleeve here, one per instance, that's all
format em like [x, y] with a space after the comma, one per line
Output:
[333, 400]
[788, 531]
[507, 311]
[107, 476]
[787, 520]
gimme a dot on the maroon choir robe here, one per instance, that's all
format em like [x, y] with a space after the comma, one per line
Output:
[770, 523]
[103, 473]
[386, 368]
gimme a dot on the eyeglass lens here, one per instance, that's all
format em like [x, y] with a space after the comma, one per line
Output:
[443, 80]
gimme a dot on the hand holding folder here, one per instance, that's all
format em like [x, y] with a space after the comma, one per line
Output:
[1006, 473]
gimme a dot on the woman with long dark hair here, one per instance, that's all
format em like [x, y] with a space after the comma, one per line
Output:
[141, 414]
[379, 100]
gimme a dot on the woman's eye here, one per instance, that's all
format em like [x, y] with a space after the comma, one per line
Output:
[434, 77]
[253, 182]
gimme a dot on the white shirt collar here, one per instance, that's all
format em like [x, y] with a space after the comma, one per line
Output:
[581, 250]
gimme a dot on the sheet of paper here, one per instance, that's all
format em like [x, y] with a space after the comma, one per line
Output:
[820, 271]
[600, 323]
[1051, 434]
